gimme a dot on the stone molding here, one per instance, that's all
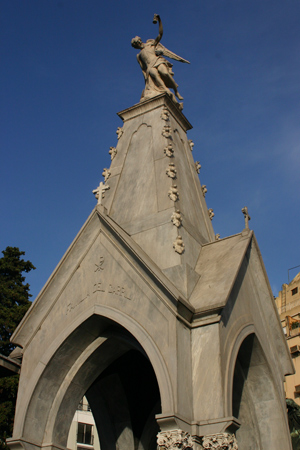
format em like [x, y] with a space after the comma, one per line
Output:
[220, 441]
[153, 103]
[174, 439]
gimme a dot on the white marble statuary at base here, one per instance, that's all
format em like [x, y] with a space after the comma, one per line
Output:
[170, 331]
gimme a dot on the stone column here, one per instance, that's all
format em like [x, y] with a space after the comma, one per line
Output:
[220, 441]
[173, 440]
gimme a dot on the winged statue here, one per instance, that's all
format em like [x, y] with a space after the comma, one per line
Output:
[156, 69]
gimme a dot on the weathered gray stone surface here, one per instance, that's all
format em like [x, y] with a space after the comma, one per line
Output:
[187, 343]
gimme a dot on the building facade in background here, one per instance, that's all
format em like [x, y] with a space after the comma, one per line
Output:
[288, 304]
[83, 432]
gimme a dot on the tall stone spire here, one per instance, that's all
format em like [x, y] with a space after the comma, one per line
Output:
[154, 190]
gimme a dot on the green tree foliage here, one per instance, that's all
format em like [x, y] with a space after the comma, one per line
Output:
[293, 411]
[14, 294]
[14, 302]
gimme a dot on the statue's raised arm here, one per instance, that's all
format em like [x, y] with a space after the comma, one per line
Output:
[156, 69]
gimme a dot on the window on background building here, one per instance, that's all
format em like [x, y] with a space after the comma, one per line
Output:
[295, 291]
[85, 434]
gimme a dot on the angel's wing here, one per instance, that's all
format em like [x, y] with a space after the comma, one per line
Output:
[160, 49]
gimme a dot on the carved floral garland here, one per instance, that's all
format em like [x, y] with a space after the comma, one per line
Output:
[175, 439]
[220, 441]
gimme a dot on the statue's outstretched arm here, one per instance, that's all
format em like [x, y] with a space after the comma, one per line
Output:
[160, 29]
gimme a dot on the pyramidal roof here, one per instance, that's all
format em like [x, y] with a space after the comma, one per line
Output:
[152, 188]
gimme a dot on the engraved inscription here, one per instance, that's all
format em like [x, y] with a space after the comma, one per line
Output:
[99, 266]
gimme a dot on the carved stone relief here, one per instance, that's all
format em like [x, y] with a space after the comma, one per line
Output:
[171, 171]
[220, 441]
[176, 218]
[112, 151]
[106, 174]
[119, 132]
[98, 286]
[165, 114]
[211, 213]
[166, 132]
[99, 266]
[191, 144]
[204, 190]
[174, 440]
[169, 151]
[173, 193]
[197, 166]
[178, 245]
[100, 192]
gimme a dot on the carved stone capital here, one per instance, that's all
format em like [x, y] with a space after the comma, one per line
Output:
[173, 440]
[220, 441]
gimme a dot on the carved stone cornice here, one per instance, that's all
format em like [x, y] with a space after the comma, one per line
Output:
[153, 103]
[173, 440]
[220, 441]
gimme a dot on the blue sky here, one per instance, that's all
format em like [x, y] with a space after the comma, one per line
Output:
[68, 67]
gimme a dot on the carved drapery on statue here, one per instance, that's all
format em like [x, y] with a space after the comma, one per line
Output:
[156, 69]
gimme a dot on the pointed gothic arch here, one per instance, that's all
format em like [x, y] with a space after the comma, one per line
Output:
[76, 364]
[254, 397]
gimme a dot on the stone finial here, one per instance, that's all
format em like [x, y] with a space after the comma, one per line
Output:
[220, 441]
[217, 237]
[165, 114]
[178, 245]
[191, 144]
[173, 193]
[174, 440]
[100, 192]
[204, 190]
[119, 132]
[197, 166]
[169, 151]
[176, 218]
[106, 174]
[166, 132]
[246, 216]
[112, 151]
[171, 171]
[211, 213]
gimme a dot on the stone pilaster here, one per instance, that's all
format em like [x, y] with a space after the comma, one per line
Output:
[174, 439]
[220, 441]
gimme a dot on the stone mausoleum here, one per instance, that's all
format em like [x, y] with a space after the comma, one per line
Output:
[170, 332]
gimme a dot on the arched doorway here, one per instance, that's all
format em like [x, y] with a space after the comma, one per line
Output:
[255, 402]
[104, 361]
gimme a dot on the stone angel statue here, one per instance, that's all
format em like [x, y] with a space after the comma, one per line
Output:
[156, 69]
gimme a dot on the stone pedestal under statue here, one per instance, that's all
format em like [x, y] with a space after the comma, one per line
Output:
[172, 334]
